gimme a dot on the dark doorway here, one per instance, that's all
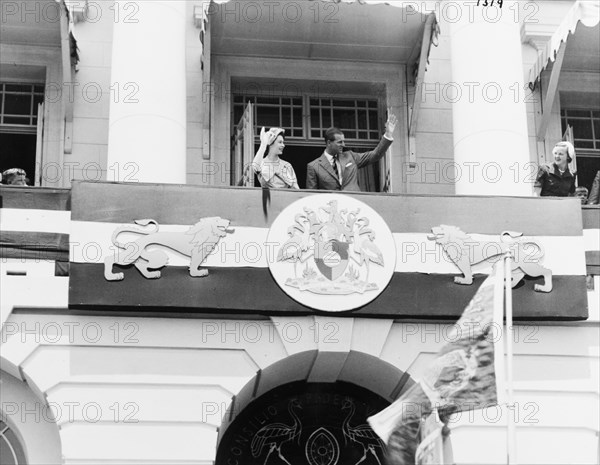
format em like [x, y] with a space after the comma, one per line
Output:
[300, 156]
[18, 151]
[587, 167]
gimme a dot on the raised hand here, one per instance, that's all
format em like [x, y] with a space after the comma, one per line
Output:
[266, 137]
[390, 124]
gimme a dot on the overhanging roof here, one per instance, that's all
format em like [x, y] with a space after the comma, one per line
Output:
[347, 30]
[37, 23]
[32, 23]
[547, 36]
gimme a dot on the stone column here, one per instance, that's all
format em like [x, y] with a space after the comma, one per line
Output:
[491, 148]
[147, 123]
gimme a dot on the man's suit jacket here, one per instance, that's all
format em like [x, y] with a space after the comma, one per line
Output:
[321, 175]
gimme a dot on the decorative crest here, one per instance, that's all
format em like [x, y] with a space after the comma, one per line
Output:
[340, 244]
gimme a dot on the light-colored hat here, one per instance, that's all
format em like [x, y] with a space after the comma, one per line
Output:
[276, 132]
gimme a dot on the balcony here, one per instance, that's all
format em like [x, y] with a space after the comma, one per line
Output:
[73, 230]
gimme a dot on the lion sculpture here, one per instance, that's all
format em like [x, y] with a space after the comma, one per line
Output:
[197, 243]
[466, 252]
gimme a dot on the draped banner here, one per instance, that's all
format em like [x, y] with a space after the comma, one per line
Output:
[35, 224]
[34, 248]
[591, 236]
[214, 250]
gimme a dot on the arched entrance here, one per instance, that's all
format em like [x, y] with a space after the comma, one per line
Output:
[11, 450]
[305, 423]
[28, 430]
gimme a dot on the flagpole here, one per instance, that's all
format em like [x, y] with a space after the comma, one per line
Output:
[511, 427]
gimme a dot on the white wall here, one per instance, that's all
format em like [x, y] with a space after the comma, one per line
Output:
[94, 92]
[434, 172]
[156, 389]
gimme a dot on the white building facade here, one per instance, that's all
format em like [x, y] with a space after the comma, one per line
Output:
[171, 95]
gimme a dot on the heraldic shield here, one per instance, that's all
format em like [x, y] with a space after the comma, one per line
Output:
[333, 252]
[331, 258]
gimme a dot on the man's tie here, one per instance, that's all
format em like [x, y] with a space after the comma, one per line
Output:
[337, 167]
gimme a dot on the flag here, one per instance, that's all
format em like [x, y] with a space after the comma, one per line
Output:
[434, 448]
[464, 375]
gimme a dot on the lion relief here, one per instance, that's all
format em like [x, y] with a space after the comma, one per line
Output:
[197, 243]
[466, 252]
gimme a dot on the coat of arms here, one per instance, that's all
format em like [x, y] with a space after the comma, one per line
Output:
[332, 246]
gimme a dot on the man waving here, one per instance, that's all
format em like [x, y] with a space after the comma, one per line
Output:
[337, 170]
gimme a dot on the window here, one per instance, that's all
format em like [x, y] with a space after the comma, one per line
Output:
[282, 112]
[305, 119]
[586, 127]
[19, 123]
[586, 136]
[19, 104]
[357, 118]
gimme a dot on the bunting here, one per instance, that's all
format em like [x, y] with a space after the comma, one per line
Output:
[423, 277]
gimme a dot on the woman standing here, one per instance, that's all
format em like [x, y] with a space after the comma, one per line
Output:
[272, 171]
[556, 180]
